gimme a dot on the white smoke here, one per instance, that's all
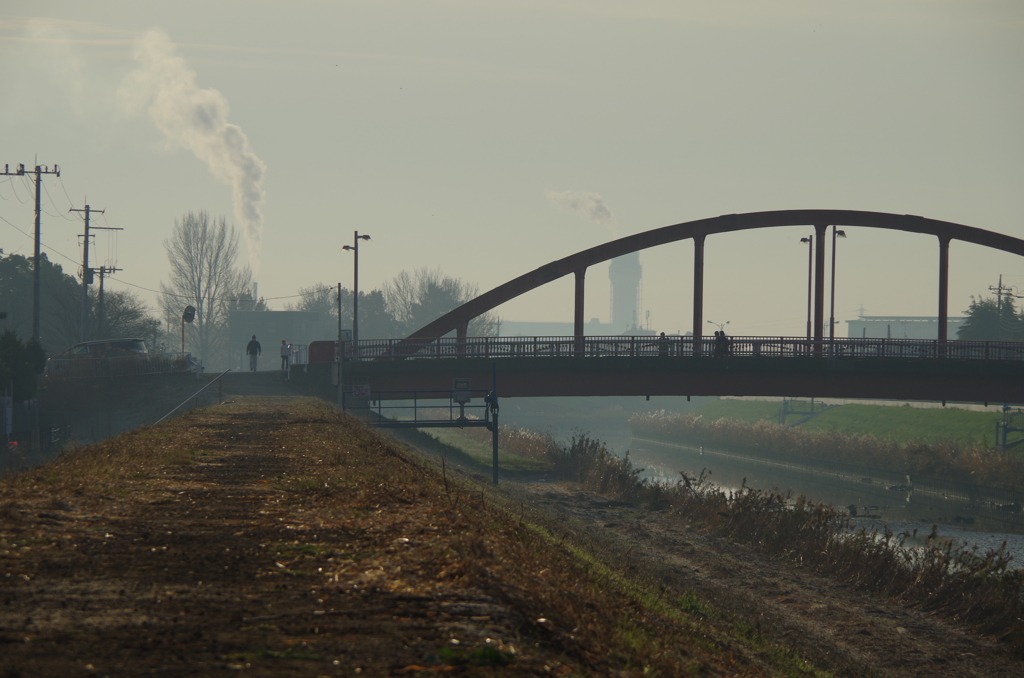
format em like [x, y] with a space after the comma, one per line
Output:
[590, 205]
[197, 119]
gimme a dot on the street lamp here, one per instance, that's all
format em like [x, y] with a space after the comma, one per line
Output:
[355, 286]
[810, 249]
[832, 309]
[720, 326]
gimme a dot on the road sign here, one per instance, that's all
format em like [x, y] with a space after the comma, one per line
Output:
[361, 391]
[460, 391]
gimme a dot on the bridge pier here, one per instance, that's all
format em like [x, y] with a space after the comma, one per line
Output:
[698, 291]
[577, 330]
[819, 285]
[943, 288]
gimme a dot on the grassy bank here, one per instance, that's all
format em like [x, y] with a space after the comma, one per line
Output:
[958, 582]
[284, 538]
[900, 424]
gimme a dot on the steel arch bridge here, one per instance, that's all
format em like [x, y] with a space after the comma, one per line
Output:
[939, 370]
[577, 264]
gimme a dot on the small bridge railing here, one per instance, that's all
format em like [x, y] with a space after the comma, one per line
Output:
[676, 346]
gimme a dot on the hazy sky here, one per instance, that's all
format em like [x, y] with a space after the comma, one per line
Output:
[489, 138]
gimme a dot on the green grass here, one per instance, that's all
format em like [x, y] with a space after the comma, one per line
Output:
[897, 423]
[750, 411]
[902, 424]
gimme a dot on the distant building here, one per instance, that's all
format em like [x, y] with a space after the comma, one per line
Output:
[626, 274]
[901, 327]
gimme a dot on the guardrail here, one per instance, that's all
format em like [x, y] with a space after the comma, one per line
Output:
[676, 346]
[121, 366]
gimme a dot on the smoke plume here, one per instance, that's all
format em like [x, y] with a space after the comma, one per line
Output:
[197, 119]
[590, 205]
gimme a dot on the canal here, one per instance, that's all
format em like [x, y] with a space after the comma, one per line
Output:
[874, 499]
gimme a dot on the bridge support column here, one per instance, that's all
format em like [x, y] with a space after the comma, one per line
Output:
[698, 292]
[943, 290]
[819, 286]
[577, 329]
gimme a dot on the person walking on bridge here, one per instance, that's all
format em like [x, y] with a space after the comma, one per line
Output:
[286, 352]
[253, 350]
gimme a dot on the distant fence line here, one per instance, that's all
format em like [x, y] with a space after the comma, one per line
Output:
[121, 366]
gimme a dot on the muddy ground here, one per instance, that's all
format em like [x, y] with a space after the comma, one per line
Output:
[211, 566]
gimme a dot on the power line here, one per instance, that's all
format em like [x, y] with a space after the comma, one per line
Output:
[29, 235]
[185, 298]
[70, 202]
[59, 214]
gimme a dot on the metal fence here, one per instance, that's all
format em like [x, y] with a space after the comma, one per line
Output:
[676, 346]
[121, 366]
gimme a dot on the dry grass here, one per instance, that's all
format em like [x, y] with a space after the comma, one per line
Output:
[961, 583]
[565, 613]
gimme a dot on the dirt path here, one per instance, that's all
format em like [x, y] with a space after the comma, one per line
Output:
[219, 566]
[826, 621]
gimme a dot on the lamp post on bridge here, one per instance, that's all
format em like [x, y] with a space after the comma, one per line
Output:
[354, 248]
[810, 252]
[832, 308]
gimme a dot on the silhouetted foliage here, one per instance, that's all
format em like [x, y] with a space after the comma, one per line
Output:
[992, 320]
[375, 322]
[20, 363]
[425, 295]
[126, 315]
[60, 301]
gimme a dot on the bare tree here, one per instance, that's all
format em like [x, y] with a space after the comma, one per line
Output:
[126, 315]
[375, 322]
[423, 296]
[202, 256]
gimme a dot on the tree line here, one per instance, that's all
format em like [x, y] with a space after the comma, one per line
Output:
[204, 273]
[202, 254]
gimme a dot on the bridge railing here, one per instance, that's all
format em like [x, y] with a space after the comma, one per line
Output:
[676, 346]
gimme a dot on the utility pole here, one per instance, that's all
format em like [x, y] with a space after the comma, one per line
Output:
[1000, 291]
[87, 273]
[101, 315]
[39, 171]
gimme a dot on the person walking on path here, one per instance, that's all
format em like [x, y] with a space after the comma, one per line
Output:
[286, 352]
[253, 350]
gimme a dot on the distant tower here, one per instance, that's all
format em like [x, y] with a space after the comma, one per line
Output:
[625, 272]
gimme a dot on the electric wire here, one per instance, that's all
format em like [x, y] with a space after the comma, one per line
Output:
[41, 243]
[6, 180]
[62, 215]
[14, 188]
[186, 297]
[70, 202]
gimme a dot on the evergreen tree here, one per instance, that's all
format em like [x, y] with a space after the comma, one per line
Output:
[20, 363]
[992, 320]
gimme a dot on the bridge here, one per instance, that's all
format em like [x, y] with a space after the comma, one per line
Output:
[811, 366]
[903, 369]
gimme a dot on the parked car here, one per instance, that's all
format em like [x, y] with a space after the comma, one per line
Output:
[106, 348]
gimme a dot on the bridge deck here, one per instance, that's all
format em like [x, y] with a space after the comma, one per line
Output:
[563, 366]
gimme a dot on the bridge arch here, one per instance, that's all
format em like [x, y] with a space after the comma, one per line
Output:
[577, 264]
